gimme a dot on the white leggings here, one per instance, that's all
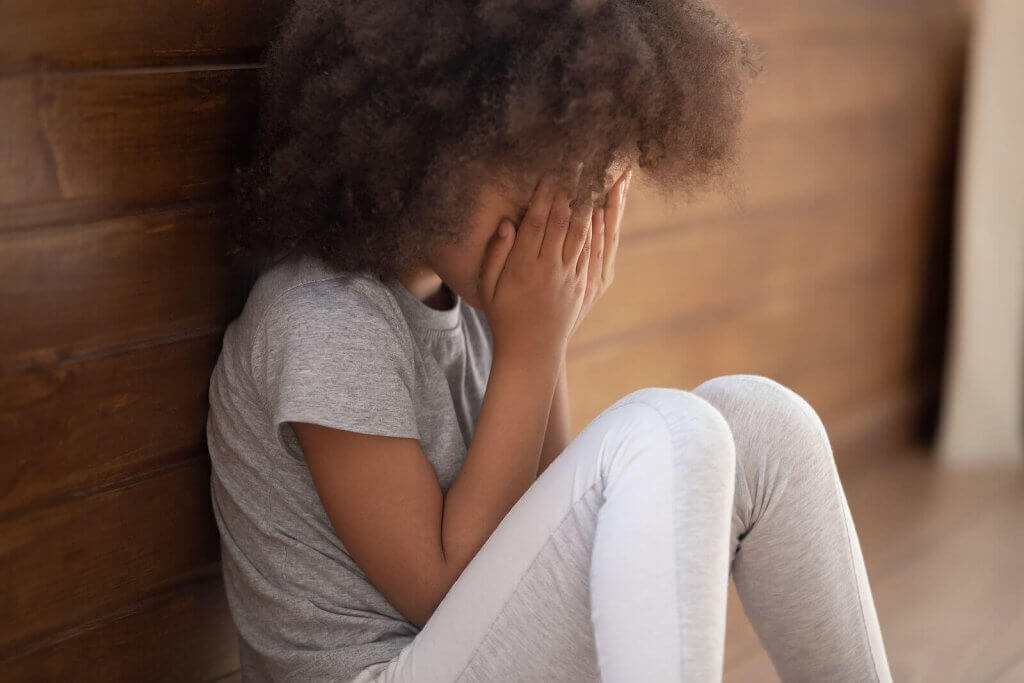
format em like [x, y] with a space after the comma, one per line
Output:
[614, 565]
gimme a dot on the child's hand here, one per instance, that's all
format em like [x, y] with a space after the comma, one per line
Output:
[532, 283]
[604, 244]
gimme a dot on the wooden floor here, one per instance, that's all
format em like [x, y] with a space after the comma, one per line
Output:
[944, 551]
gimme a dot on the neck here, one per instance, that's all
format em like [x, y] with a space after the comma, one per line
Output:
[427, 286]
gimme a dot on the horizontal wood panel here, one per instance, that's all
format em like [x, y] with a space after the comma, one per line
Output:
[940, 18]
[148, 276]
[84, 145]
[853, 335]
[702, 268]
[75, 426]
[58, 34]
[882, 154]
[688, 273]
[84, 557]
[78, 288]
[90, 145]
[184, 635]
[850, 73]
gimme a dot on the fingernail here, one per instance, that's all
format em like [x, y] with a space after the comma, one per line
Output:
[504, 229]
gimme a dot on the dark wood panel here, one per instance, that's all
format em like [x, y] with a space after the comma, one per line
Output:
[148, 276]
[724, 265]
[74, 426]
[77, 560]
[89, 145]
[60, 35]
[81, 287]
[183, 635]
[65, 34]
[86, 145]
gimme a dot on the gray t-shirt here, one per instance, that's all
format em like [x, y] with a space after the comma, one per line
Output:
[344, 350]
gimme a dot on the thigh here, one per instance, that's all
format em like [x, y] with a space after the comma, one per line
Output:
[520, 610]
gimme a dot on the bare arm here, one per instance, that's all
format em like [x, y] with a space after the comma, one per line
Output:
[380, 492]
[559, 430]
[384, 500]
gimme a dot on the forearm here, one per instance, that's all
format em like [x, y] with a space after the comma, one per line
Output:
[559, 431]
[504, 455]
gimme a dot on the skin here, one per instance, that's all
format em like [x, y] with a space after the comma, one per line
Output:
[455, 267]
[380, 492]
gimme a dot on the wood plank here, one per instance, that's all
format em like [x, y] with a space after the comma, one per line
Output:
[697, 269]
[119, 281]
[84, 145]
[77, 426]
[83, 288]
[872, 17]
[835, 344]
[88, 145]
[61, 34]
[184, 635]
[81, 558]
[880, 155]
[729, 266]
[58, 35]
[850, 72]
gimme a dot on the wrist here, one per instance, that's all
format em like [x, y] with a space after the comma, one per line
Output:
[551, 357]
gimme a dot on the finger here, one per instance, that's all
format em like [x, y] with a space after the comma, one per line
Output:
[626, 179]
[612, 216]
[558, 223]
[576, 237]
[616, 197]
[597, 247]
[530, 235]
[495, 256]
[584, 259]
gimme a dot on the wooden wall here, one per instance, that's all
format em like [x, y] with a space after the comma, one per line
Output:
[119, 124]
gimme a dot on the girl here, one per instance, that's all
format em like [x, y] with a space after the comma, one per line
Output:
[440, 186]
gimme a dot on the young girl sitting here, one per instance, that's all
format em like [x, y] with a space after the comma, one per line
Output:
[438, 188]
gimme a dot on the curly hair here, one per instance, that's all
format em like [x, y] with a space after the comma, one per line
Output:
[378, 121]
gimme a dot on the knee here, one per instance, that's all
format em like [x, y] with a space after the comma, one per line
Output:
[697, 432]
[760, 407]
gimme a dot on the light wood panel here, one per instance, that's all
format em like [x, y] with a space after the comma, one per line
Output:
[859, 324]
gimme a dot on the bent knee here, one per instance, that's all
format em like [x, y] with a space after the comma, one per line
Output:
[695, 427]
[757, 402]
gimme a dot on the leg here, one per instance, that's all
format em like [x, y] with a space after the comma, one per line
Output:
[796, 558]
[612, 566]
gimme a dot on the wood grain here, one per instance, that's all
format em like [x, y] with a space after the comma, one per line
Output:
[185, 634]
[81, 558]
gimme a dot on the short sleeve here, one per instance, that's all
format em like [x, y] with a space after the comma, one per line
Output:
[329, 356]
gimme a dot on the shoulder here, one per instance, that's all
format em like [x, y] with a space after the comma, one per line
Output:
[301, 302]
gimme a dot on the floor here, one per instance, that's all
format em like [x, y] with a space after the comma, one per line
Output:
[944, 551]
